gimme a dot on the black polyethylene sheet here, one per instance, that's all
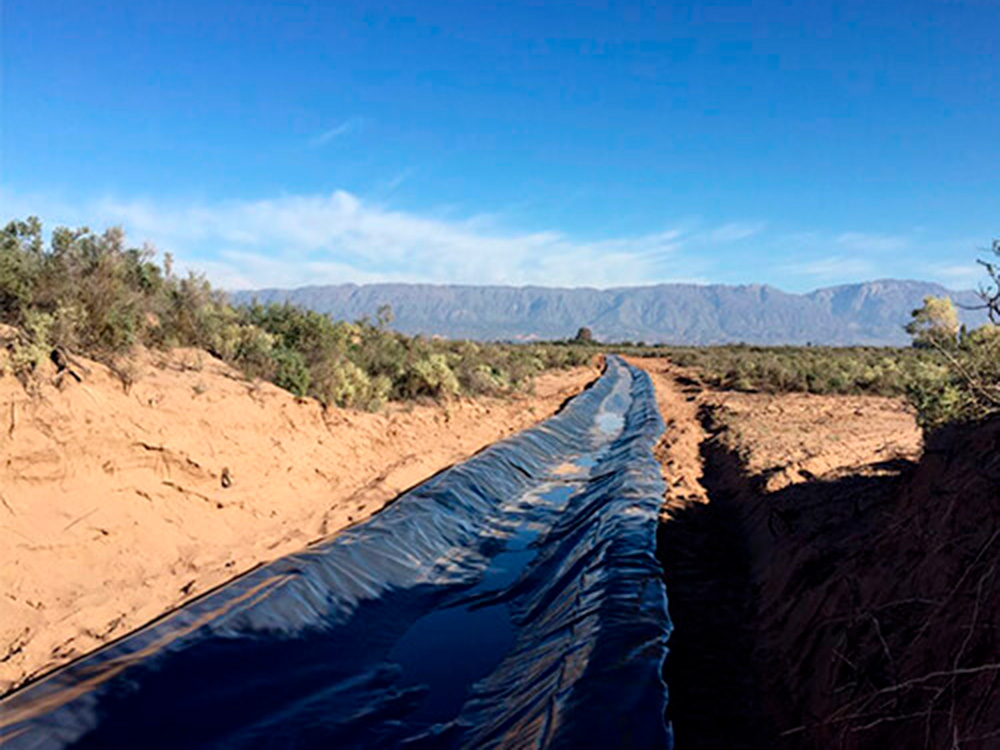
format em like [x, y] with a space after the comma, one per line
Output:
[513, 601]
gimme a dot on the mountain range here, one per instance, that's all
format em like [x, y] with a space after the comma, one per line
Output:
[869, 313]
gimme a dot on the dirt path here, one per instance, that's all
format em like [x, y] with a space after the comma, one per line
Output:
[116, 507]
[679, 450]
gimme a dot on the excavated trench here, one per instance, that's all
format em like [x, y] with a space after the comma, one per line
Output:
[749, 576]
[715, 695]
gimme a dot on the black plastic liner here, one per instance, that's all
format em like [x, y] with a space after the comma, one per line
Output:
[513, 601]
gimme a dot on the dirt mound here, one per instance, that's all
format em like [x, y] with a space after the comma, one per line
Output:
[118, 504]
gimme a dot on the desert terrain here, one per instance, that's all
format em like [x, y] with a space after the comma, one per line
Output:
[120, 504]
[830, 578]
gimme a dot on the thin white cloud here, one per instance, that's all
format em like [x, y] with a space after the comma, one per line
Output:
[323, 239]
[957, 275]
[296, 240]
[734, 232]
[816, 257]
[831, 268]
[399, 178]
[347, 126]
[870, 242]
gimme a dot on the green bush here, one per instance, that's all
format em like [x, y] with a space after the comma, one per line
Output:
[33, 345]
[290, 371]
[21, 263]
[935, 395]
[344, 383]
[431, 376]
[963, 384]
[251, 349]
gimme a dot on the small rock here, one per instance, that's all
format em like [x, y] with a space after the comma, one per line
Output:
[58, 359]
[227, 478]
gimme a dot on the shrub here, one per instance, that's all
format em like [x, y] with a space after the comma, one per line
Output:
[964, 383]
[32, 346]
[252, 350]
[345, 384]
[290, 371]
[935, 395]
[21, 262]
[935, 323]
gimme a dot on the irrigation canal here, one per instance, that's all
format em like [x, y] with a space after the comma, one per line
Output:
[512, 601]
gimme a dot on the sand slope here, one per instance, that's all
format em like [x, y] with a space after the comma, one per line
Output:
[116, 507]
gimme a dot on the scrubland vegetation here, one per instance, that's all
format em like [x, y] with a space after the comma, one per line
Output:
[956, 382]
[950, 374]
[91, 294]
[823, 370]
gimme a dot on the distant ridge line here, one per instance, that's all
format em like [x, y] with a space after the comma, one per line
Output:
[868, 313]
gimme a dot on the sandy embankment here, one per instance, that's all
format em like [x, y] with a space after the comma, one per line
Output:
[114, 509]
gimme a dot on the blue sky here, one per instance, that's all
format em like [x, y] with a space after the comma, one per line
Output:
[787, 142]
